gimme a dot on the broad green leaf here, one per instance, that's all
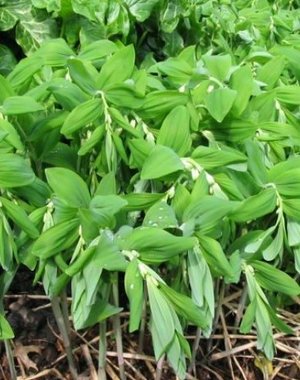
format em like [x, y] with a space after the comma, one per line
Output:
[6, 88]
[287, 182]
[19, 216]
[12, 136]
[141, 9]
[81, 116]
[95, 51]
[291, 207]
[219, 102]
[161, 162]
[117, 68]
[276, 247]
[68, 94]
[160, 215]
[32, 32]
[56, 239]
[215, 256]
[288, 94]
[271, 71]
[208, 211]
[255, 206]
[135, 292]
[14, 171]
[210, 157]
[158, 103]
[93, 139]
[6, 331]
[83, 74]
[16, 105]
[293, 232]
[123, 95]
[24, 71]
[54, 52]
[177, 69]
[242, 82]
[175, 131]
[274, 279]
[265, 340]
[155, 245]
[161, 316]
[141, 201]
[68, 186]
[184, 306]
[248, 318]
[218, 65]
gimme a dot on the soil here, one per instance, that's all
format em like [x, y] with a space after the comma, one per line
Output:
[39, 351]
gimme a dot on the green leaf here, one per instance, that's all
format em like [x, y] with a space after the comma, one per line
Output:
[68, 187]
[242, 82]
[83, 74]
[214, 157]
[32, 32]
[155, 245]
[175, 131]
[207, 211]
[161, 162]
[158, 103]
[135, 292]
[68, 94]
[161, 316]
[160, 215]
[215, 256]
[95, 51]
[6, 331]
[218, 65]
[16, 105]
[255, 206]
[19, 216]
[141, 201]
[219, 102]
[81, 116]
[184, 306]
[271, 71]
[288, 94]
[141, 9]
[248, 318]
[117, 68]
[274, 279]
[14, 171]
[94, 138]
[56, 239]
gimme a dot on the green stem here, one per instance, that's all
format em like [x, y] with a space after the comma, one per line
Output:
[118, 330]
[159, 368]
[102, 351]
[55, 303]
[143, 323]
[10, 358]
[192, 366]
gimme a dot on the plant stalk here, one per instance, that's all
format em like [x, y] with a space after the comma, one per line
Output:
[10, 358]
[159, 368]
[143, 323]
[60, 320]
[102, 351]
[192, 366]
[118, 330]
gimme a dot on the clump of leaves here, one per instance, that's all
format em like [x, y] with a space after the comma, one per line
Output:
[178, 173]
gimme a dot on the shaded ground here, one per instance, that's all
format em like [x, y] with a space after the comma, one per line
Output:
[39, 351]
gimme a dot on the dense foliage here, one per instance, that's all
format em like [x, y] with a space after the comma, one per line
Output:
[162, 168]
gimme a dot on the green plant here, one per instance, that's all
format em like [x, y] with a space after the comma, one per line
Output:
[171, 175]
